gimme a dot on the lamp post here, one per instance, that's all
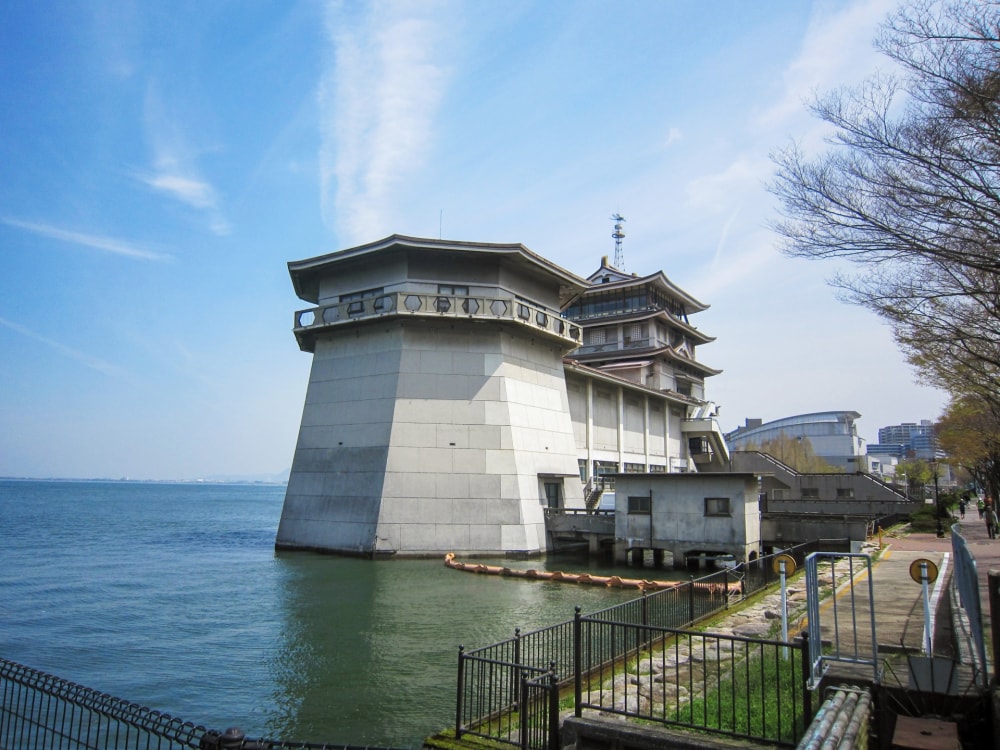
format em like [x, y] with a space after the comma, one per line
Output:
[937, 500]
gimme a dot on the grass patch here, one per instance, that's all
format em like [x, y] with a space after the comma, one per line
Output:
[761, 697]
[925, 520]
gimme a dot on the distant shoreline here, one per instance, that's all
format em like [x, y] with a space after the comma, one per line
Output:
[126, 480]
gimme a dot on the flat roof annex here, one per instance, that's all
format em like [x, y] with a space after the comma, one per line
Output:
[306, 273]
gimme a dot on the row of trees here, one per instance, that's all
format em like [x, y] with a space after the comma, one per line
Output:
[908, 194]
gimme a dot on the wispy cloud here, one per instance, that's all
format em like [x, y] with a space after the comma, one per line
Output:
[174, 169]
[98, 242]
[378, 99]
[838, 47]
[94, 363]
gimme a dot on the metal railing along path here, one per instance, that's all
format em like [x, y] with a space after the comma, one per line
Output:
[486, 701]
[39, 710]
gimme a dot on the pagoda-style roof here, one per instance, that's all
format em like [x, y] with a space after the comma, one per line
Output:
[608, 277]
[575, 366]
[306, 274]
[646, 353]
[683, 325]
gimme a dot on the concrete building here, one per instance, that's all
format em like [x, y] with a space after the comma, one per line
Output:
[694, 517]
[454, 395]
[832, 434]
[907, 441]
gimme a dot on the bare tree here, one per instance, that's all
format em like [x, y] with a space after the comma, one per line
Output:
[908, 192]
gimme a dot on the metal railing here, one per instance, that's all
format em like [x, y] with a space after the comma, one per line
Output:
[725, 684]
[427, 304]
[39, 710]
[853, 640]
[488, 676]
[966, 578]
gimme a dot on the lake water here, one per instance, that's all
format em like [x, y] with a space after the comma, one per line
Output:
[172, 596]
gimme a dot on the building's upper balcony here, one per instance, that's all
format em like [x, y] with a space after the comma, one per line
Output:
[315, 320]
[616, 346]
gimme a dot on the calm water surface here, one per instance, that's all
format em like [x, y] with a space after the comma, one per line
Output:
[172, 596]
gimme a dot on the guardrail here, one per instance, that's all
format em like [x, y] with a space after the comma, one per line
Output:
[39, 710]
[487, 695]
[313, 320]
[725, 684]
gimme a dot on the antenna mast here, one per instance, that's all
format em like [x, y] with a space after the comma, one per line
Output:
[619, 235]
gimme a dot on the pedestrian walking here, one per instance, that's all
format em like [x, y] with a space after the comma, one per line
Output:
[961, 508]
[991, 522]
[982, 507]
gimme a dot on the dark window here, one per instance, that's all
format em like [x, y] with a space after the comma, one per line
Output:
[378, 291]
[553, 494]
[810, 492]
[845, 492]
[717, 506]
[641, 504]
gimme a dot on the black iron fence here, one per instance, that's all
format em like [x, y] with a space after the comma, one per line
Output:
[488, 677]
[38, 710]
[727, 684]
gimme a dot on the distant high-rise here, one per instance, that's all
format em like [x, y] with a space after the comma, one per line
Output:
[908, 440]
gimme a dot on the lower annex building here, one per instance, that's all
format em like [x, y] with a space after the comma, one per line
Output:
[458, 389]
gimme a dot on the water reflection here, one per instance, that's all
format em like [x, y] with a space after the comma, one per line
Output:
[368, 649]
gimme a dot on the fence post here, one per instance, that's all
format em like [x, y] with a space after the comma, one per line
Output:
[517, 661]
[461, 692]
[554, 743]
[806, 673]
[577, 665]
[993, 577]
[691, 600]
[522, 710]
[725, 587]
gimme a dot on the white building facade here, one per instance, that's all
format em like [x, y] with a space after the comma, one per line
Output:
[444, 412]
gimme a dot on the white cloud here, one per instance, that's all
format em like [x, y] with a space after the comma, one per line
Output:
[94, 363]
[175, 170]
[378, 101]
[107, 244]
[715, 193]
[837, 48]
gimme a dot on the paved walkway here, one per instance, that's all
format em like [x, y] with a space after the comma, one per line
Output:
[899, 600]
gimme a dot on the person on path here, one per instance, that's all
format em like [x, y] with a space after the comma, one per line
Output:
[961, 508]
[982, 507]
[991, 522]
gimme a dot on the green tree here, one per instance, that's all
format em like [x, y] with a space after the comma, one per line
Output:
[796, 452]
[919, 477]
[969, 432]
[909, 192]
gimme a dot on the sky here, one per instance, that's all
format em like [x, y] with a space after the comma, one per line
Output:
[161, 163]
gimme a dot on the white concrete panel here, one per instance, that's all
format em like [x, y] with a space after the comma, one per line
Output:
[452, 485]
[403, 460]
[502, 512]
[484, 436]
[485, 485]
[471, 462]
[409, 484]
[513, 537]
[500, 462]
[451, 536]
[484, 537]
[436, 459]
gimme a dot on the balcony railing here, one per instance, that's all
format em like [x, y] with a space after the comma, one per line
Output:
[401, 304]
[614, 346]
